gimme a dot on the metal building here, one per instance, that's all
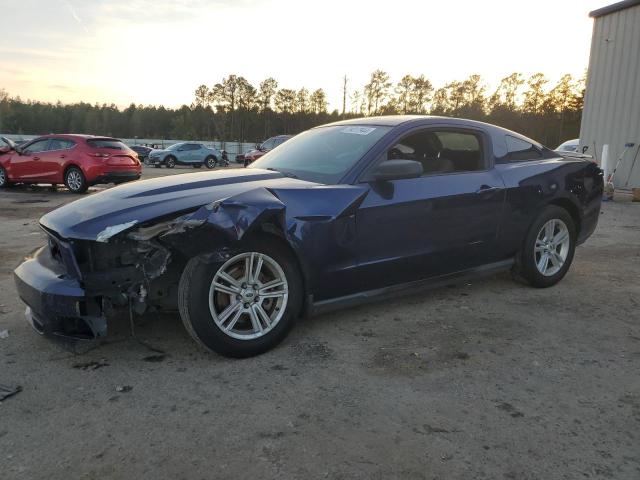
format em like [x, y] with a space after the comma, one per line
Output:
[611, 114]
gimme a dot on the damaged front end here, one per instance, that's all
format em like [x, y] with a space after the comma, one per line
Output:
[71, 286]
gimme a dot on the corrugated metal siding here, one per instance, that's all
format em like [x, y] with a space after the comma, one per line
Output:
[612, 101]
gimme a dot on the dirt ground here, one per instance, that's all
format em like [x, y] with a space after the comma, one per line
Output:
[489, 380]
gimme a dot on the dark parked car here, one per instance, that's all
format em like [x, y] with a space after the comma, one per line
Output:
[142, 151]
[339, 215]
[261, 149]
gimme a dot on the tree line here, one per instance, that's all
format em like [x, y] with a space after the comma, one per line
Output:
[236, 110]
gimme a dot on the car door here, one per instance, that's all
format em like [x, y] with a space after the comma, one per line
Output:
[187, 153]
[443, 222]
[52, 160]
[27, 165]
[197, 153]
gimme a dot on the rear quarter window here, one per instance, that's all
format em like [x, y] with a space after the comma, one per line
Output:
[519, 150]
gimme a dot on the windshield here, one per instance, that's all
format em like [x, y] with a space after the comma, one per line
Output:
[323, 154]
[175, 146]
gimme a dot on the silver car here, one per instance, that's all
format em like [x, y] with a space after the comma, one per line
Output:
[185, 153]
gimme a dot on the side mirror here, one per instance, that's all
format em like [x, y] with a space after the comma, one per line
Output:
[397, 170]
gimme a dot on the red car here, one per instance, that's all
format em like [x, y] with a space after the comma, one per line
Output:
[262, 148]
[78, 161]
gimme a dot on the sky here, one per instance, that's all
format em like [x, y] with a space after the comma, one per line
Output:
[159, 52]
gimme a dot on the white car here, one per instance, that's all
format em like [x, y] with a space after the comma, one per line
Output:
[569, 146]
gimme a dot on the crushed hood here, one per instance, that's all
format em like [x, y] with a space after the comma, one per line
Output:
[127, 205]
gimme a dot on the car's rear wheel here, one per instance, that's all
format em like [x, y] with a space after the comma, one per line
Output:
[157, 165]
[210, 162]
[245, 305]
[170, 162]
[4, 179]
[548, 248]
[75, 180]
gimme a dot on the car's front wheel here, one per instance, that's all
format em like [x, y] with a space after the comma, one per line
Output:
[245, 305]
[548, 248]
[170, 162]
[75, 180]
[210, 162]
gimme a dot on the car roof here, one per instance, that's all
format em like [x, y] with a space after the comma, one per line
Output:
[75, 136]
[426, 120]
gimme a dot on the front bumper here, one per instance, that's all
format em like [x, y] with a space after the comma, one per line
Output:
[56, 303]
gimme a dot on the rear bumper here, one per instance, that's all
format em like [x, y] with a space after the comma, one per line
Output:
[56, 303]
[117, 177]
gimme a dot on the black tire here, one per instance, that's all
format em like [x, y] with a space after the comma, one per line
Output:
[157, 165]
[75, 184]
[4, 180]
[197, 165]
[210, 162]
[526, 268]
[193, 302]
[170, 161]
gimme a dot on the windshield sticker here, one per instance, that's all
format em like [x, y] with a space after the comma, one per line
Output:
[358, 130]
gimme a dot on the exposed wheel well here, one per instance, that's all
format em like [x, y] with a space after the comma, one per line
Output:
[572, 209]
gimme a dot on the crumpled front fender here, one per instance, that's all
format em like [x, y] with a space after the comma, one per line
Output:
[316, 222]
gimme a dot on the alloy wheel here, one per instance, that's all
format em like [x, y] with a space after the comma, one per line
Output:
[248, 296]
[552, 247]
[74, 180]
[3, 177]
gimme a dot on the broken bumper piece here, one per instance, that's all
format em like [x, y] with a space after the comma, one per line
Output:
[56, 303]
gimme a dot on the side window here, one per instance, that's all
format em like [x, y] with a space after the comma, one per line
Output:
[520, 150]
[196, 146]
[441, 151]
[269, 144]
[37, 147]
[60, 144]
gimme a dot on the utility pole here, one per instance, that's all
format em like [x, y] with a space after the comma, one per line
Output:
[344, 96]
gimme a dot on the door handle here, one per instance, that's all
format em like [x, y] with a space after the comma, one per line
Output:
[487, 189]
[36, 158]
[63, 156]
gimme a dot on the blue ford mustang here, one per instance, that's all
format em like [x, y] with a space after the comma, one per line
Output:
[338, 215]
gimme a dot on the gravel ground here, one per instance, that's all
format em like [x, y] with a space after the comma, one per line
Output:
[490, 379]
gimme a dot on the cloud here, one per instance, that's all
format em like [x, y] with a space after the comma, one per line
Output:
[64, 88]
[75, 16]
